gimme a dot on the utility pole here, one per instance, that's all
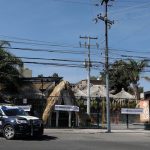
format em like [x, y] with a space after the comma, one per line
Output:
[88, 65]
[107, 22]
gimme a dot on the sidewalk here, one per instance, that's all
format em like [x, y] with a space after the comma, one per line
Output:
[94, 131]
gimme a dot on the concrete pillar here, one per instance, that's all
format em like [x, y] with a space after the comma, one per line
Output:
[57, 118]
[77, 120]
[69, 123]
[50, 120]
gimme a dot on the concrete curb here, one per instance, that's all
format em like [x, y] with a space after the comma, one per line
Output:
[94, 131]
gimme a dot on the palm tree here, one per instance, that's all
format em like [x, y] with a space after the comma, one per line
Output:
[122, 74]
[133, 70]
[9, 68]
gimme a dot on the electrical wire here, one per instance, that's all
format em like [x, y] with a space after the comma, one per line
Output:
[94, 66]
[44, 50]
[48, 50]
[64, 60]
[38, 42]
[130, 51]
[75, 2]
[131, 8]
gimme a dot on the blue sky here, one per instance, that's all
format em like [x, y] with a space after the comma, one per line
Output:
[61, 22]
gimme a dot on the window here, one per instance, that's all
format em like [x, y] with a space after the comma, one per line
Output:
[1, 112]
[14, 112]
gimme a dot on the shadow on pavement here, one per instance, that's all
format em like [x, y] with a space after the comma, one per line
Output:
[42, 138]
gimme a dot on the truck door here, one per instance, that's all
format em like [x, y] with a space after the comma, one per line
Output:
[1, 118]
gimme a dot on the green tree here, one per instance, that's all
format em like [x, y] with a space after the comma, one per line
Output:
[93, 78]
[40, 75]
[9, 69]
[123, 74]
[134, 69]
[55, 75]
[117, 76]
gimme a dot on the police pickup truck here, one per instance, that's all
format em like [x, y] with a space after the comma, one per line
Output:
[15, 121]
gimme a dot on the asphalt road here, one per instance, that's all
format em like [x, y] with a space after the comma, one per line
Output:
[80, 141]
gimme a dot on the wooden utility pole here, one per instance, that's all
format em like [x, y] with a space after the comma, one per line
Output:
[88, 65]
[107, 22]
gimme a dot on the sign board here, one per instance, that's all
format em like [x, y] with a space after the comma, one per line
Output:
[25, 101]
[131, 110]
[67, 108]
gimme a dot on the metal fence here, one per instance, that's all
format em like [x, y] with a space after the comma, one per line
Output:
[97, 117]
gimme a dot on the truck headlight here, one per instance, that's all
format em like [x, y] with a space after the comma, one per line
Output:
[19, 121]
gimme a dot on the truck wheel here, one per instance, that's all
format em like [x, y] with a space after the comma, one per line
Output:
[9, 132]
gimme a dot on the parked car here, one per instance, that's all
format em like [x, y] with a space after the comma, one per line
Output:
[15, 121]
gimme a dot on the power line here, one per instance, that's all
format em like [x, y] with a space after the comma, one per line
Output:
[130, 8]
[112, 49]
[141, 57]
[44, 50]
[37, 42]
[75, 2]
[130, 51]
[64, 60]
[95, 66]
[131, 56]
[41, 44]
[47, 50]
[75, 52]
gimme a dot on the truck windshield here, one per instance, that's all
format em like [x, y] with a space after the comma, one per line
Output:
[14, 112]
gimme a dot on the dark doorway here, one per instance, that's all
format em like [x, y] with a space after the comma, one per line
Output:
[63, 119]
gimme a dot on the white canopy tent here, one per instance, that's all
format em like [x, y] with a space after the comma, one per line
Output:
[124, 95]
[95, 91]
